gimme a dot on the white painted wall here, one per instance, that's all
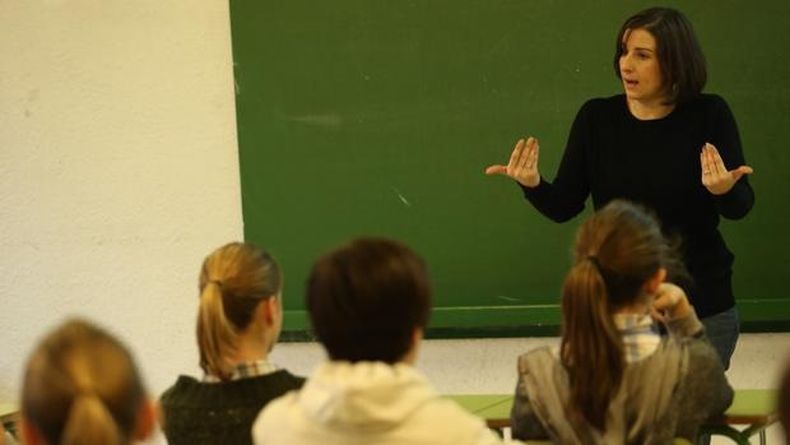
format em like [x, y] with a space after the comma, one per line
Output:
[118, 170]
[118, 173]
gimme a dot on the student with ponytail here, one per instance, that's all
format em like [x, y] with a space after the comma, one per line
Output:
[238, 323]
[615, 379]
[82, 387]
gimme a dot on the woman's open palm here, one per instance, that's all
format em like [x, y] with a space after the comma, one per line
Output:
[715, 176]
[523, 164]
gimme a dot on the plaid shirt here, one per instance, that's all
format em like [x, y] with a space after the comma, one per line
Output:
[640, 336]
[245, 371]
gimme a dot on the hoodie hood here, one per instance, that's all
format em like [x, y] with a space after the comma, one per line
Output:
[363, 396]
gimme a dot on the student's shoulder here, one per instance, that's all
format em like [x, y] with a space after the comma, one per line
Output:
[451, 423]
[278, 407]
[541, 357]
[273, 419]
[296, 379]
[262, 387]
[184, 383]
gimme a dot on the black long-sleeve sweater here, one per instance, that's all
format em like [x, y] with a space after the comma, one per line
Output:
[611, 154]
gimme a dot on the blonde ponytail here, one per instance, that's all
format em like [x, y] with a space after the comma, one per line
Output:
[81, 387]
[234, 279]
[89, 422]
[216, 336]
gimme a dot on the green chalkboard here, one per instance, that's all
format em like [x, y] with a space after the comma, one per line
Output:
[377, 117]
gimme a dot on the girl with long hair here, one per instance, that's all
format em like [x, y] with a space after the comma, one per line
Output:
[615, 378]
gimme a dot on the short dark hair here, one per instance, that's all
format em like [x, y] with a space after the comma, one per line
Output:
[680, 56]
[366, 298]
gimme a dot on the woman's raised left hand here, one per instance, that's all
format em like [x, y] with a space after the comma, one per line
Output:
[715, 176]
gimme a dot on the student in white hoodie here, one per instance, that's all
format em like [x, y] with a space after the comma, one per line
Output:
[369, 303]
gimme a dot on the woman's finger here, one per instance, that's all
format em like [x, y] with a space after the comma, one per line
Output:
[740, 171]
[496, 170]
[718, 161]
[704, 168]
[713, 165]
[525, 154]
[516, 154]
[533, 145]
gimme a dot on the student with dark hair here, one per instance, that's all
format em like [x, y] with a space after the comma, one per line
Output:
[615, 380]
[239, 321]
[664, 144]
[369, 303]
[81, 387]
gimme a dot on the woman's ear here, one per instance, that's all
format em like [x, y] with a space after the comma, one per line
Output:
[146, 420]
[652, 283]
[411, 355]
[270, 308]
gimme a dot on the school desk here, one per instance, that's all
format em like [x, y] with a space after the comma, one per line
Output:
[755, 408]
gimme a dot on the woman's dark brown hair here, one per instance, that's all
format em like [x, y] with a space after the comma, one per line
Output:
[617, 250]
[234, 279]
[366, 299]
[81, 387]
[680, 56]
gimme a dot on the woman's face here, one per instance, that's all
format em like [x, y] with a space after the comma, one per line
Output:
[639, 68]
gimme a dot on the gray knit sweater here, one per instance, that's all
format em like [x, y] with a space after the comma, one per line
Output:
[666, 395]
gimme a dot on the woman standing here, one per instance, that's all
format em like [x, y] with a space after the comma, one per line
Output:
[664, 144]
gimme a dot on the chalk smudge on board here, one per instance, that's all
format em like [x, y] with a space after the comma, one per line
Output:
[509, 299]
[320, 120]
[401, 197]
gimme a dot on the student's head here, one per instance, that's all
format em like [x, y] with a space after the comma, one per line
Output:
[82, 387]
[619, 261]
[240, 287]
[676, 54]
[369, 301]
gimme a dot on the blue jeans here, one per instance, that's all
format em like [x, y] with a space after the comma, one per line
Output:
[723, 330]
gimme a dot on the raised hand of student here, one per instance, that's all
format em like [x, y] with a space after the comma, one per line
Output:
[523, 164]
[715, 176]
[670, 303]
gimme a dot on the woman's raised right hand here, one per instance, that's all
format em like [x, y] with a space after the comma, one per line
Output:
[523, 164]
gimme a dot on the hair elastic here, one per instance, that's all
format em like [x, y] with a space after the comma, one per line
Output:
[594, 259]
